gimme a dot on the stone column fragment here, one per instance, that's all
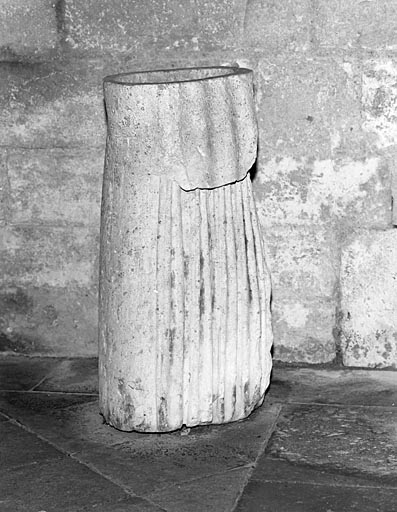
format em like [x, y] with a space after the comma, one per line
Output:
[185, 333]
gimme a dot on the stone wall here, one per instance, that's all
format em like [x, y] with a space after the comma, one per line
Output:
[326, 92]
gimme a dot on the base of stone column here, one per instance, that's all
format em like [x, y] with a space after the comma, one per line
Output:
[185, 332]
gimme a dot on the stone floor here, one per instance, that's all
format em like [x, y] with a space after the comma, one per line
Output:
[324, 441]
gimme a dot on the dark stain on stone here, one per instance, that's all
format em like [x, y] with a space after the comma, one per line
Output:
[234, 397]
[212, 300]
[201, 299]
[247, 401]
[201, 263]
[310, 119]
[170, 335]
[378, 101]
[15, 343]
[185, 266]
[60, 19]
[50, 313]
[163, 414]
[222, 407]
[17, 302]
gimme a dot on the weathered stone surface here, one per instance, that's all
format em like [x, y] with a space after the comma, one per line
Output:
[4, 187]
[215, 493]
[379, 99]
[353, 25]
[52, 104]
[49, 320]
[369, 300]
[77, 488]
[27, 27]
[55, 186]
[311, 496]
[303, 330]
[123, 25]
[343, 387]
[309, 107]
[48, 256]
[184, 335]
[303, 191]
[274, 27]
[354, 439]
[196, 127]
[303, 262]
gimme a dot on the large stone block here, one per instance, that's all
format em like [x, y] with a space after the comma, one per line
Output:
[303, 330]
[52, 104]
[369, 300]
[48, 256]
[55, 186]
[352, 24]
[303, 262]
[27, 27]
[310, 107]
[49, 320]
[274, 27]
[126, 25]
[303, 191]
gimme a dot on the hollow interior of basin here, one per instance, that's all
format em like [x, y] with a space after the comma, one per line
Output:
[174, 75]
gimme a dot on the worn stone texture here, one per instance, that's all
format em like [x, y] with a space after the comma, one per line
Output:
[352, 25]
[49, 104]
[196, 127]
[305, 192]
[275, 27]
[379, 99]
[304, 268]
[175, 26]
[310, 107]
[304, 330]
[4, 187]
[48, 256]
[49, 320]
[55, 186]
[369, 300]
[303, 262]
[27, 27]
[184, 310]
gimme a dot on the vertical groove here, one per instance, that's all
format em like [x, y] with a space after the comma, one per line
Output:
[233, 305]
[254, 323]
[156, 291]
[247, 299]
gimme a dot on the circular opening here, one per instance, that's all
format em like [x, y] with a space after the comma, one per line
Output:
[166, 76]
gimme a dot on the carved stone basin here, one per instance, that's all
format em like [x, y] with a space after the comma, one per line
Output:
[185, 335]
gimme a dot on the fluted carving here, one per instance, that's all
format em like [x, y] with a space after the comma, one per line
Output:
[185, 331]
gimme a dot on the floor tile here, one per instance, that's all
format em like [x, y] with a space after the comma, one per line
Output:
[73, 375]
[18, 447]
[23, 373]
[63, 485]
[348, 387]
[351, 438]
[217, 493]
[164, 459]
[298, 497]
[157, 459]
[270, 469]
